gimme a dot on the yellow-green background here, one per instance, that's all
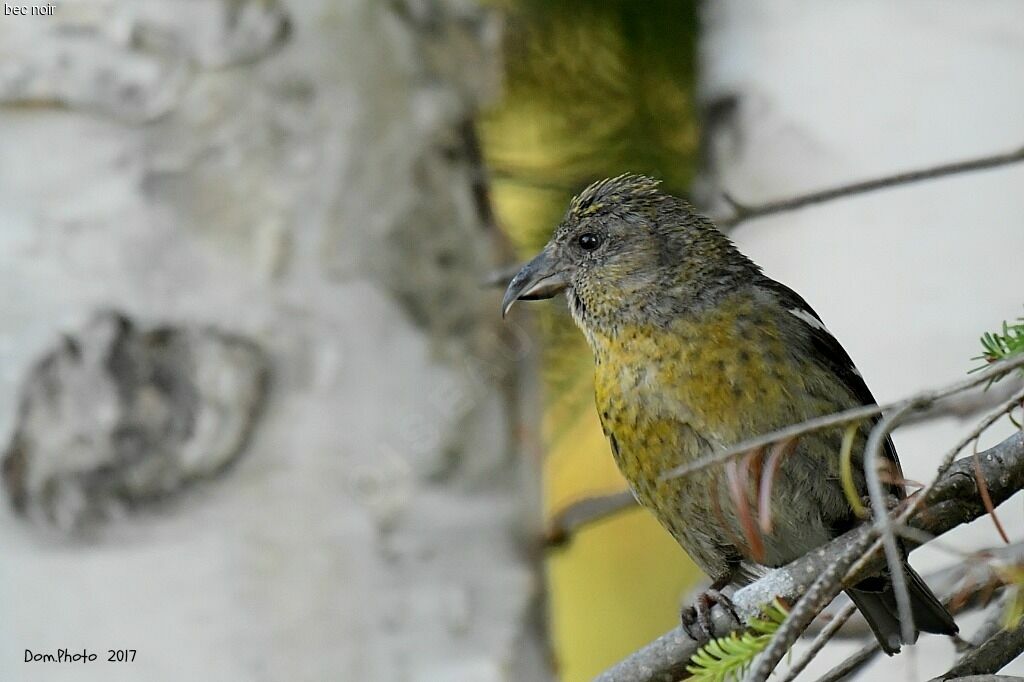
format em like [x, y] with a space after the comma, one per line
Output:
[593, 89]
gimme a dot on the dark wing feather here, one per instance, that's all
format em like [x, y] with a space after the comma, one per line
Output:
[834, 357]
[874, 596]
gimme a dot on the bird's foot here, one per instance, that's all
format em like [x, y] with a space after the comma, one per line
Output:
[891, 502]
[696, 619]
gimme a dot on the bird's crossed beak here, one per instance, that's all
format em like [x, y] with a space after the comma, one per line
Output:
[538, 279]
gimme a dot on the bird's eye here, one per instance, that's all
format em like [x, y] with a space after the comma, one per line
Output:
[589, 241]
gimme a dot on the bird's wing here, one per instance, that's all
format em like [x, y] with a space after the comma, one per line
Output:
[874, 596]
[828, 351]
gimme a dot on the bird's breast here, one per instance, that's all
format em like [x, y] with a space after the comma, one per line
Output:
[721, 376]
[668, 396]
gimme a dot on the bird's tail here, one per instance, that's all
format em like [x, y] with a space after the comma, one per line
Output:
[876, 601]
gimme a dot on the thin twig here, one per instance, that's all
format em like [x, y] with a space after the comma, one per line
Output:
[738, 477]
[918, 499]
[983, 491]
[991, 656]
[860, 658]
[967, 407]
[744, 212]
[919, 402]
[823, 638]
[768, 474]
[883, 519]
[963, 590]
[993, 625]
[583, 512]
[852, 663]
[987, 678]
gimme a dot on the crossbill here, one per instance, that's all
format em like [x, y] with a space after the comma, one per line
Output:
[696, 350]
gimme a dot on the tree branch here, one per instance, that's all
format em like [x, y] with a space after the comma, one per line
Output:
[583, 512]
[823, 638]
[852, 663]
[991, 656]
[884, 524]
[968, 584]
[953, 501]
[742, 212]
[828, 584]
[964, 590]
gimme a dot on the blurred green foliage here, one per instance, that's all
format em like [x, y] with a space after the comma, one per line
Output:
[593, 89]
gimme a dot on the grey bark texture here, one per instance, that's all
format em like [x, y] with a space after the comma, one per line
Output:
[304, 176]
[116, 417]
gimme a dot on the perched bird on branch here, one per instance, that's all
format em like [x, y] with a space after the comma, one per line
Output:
[695, 351]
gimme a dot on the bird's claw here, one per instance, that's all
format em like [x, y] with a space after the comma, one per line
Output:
[696, 619]
[891, 502]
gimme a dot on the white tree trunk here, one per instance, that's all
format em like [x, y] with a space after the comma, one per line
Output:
[303, 174]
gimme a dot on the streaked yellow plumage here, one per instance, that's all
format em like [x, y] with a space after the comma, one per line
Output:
[670, 395]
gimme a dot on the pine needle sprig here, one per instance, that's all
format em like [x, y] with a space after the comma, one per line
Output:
[728, 658]
[999, 346]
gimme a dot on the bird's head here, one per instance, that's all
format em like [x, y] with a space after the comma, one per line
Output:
[626, 251]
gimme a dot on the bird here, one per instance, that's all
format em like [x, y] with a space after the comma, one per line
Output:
[695, 351]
